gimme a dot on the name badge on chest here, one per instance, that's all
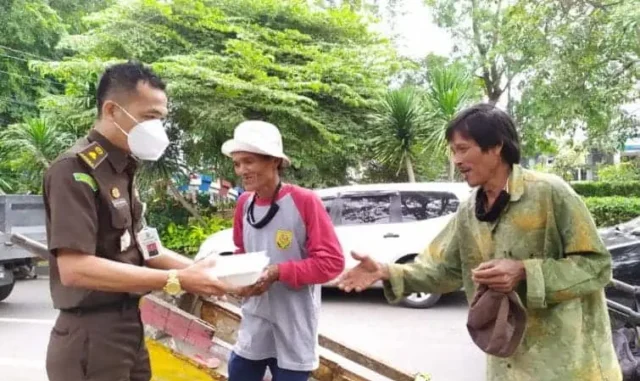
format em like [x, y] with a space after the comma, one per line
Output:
[149, 243]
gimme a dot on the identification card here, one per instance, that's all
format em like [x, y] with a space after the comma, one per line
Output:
[149, 243]
[125, 241]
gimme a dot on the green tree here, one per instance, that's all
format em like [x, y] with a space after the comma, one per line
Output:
[565, 162]
[572, 63]
[72, 12]
[499, 39]
[399, 128]
[30, 29]
[29, 148]
[591, 70]
[308, 71]
[622, 172]
[448, 90]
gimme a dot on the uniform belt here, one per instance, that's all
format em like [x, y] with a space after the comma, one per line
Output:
[120, 305]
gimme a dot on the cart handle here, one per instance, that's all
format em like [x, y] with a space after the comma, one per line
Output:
[627, 288]
[630, 315]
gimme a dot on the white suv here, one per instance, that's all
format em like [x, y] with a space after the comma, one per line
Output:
[390, 222]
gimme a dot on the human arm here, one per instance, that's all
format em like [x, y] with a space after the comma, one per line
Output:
[325, 260]
[585, 264]
[169, 260]
[71, 196]
[436, 269]
[80, 270]
[90, 272]
[238, 216]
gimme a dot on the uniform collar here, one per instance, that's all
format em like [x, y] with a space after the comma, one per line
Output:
[515, 184]
[118, 158]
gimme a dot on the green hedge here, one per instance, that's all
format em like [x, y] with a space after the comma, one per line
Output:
[186, 239]
[607, 211]
[607, 189]
[178, 230]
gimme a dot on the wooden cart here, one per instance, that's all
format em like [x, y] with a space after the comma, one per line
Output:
[190, 339]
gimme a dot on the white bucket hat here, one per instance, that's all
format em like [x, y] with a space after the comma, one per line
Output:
[256, 136]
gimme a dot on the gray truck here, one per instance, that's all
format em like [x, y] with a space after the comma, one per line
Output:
[23, 215]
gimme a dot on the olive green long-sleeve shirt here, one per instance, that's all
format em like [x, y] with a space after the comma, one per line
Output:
[547, 226]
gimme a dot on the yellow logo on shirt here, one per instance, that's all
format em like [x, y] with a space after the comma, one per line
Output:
[284, 239]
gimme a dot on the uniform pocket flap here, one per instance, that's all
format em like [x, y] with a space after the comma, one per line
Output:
[120, 213]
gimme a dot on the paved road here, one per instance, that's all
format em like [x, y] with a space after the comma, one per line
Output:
[26, 318]
[433, 341]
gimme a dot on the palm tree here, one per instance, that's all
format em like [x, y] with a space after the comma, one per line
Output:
[398, 128]
[31, 146]
[449, 89]
[159, 175]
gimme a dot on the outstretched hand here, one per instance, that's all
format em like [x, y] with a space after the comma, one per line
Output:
[361, 277]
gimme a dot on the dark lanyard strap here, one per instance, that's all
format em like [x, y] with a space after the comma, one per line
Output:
[273, 209]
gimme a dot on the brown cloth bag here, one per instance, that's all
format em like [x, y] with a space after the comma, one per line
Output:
[496, 321]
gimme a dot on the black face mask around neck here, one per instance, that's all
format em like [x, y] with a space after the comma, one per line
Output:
[273, 209]
[496, 209]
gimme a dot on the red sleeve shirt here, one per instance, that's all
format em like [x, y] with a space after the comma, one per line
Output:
[324, 260]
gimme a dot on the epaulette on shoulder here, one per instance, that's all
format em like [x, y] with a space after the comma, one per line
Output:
[93, 155]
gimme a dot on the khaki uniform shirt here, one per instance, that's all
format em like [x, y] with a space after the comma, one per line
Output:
[91, 207]
[547, 226]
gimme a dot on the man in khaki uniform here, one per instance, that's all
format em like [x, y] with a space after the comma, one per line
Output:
[101, 264]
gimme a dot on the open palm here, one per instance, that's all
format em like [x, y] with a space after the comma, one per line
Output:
[361, 277]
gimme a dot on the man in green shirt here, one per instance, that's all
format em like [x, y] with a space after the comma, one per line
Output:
[520, 231]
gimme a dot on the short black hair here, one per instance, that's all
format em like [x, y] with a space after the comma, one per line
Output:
[489, 127]
[125, 77]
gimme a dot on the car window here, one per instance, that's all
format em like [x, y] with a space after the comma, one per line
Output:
[420, 206]
[369, 209]
[451, 204]
[328, 204]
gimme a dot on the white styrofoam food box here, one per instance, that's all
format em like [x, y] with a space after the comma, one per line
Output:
[242, 269]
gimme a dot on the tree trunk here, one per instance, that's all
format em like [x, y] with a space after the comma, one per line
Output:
[185, 204]
[412, 176]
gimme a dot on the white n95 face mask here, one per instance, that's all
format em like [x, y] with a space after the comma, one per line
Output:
[147, 140]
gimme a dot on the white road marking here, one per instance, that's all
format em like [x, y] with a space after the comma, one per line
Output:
[27, 321]
[21, 363]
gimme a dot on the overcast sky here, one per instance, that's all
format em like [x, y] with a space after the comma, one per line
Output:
[419, 36]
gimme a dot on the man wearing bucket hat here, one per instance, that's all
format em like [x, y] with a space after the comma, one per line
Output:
[279, 328]
[528, 254]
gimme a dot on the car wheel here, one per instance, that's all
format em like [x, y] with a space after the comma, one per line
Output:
[418, 299]
[5, 291]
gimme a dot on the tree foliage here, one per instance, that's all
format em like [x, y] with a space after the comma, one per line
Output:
[399, 128]
[449, 88]
[27, 150]
[563, 64]
[313, 73]
[30, 29]
[591, 70]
